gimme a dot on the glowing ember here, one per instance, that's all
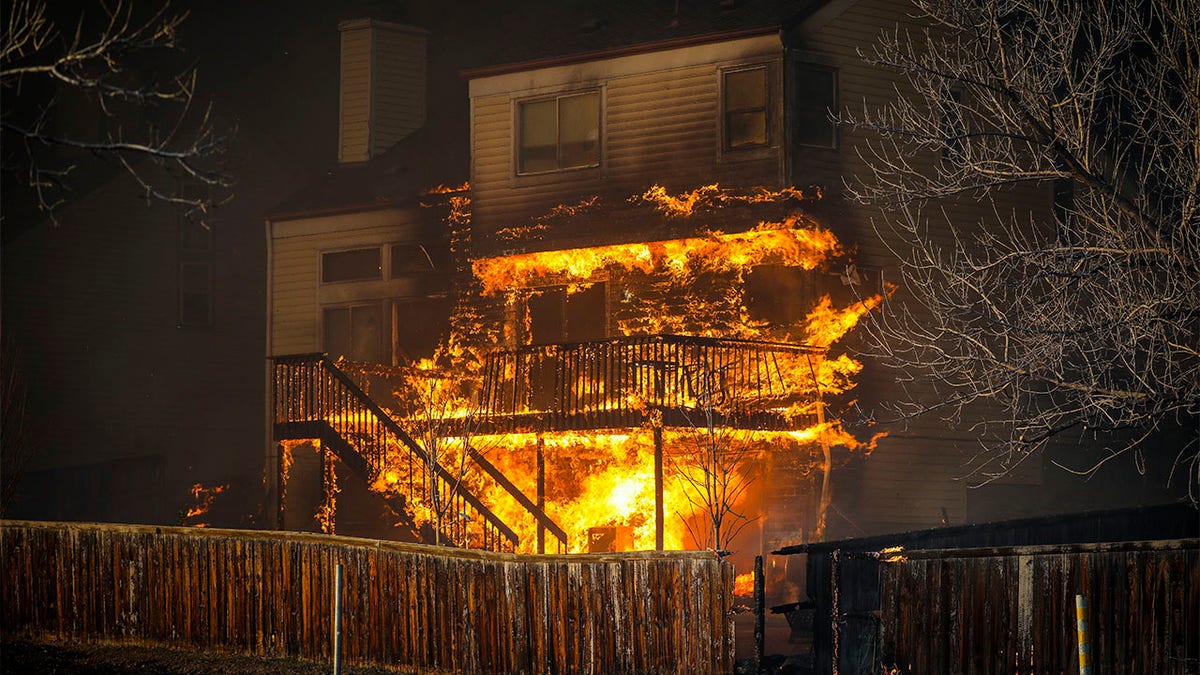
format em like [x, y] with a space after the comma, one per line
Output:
[203, 497]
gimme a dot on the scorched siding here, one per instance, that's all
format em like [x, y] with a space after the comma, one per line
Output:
[660, 123]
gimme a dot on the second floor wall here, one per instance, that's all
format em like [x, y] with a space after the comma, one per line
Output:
[677, 117]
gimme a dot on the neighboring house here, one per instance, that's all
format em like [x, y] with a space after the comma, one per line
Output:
[584, 324]
[138, 334]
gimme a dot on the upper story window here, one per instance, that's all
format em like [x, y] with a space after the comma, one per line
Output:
[745, 108]
[361, 264]
[814, 102]
[954, 128]
[559, 133]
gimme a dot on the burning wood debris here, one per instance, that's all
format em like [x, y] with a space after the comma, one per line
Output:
[702, 409]
[202, 501]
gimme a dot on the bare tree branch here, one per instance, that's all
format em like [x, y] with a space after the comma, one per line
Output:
[103, 69]
[1034, 322]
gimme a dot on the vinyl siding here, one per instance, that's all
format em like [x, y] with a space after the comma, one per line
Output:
[354, 99]
[923, 466]
[658, 126]
[398, 95]
[297, 294]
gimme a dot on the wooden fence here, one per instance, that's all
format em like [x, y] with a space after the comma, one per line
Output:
[431, 608]
[1012, 609]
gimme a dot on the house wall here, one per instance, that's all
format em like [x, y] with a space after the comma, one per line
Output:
[296, 294]
[128, 406]
[660, 123]
[922, 466]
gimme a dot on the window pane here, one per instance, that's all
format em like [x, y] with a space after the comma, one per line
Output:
[746, 89]
[538, 134]
[586, 316]
[412, 259]
[546, 316]
[363, 263]
[814, 128]
[366, 334]
[194, 236]
[337, 332]
[579, 130]
[746, 128]
[419, 326]
[814, 87]
[815, 101]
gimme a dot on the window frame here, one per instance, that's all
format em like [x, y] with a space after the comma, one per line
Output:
[526, 318]
[835, 82]
[379, 248]
[725, 111]
[382, 306]
[517, 146]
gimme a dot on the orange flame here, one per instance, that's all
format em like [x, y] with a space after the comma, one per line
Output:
[203, 497]
[605, 477]
[743, 585]
[712, 196]
[785, 243]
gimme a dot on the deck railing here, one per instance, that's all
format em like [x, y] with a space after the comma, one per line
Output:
[614, 382]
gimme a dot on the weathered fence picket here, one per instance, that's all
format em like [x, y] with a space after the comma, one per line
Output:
[442, 609]
[963, 610]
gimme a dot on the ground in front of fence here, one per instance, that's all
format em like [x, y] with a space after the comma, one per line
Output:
[18, 656]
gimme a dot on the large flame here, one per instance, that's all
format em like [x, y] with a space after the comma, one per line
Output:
[786, 243]
[605, 477]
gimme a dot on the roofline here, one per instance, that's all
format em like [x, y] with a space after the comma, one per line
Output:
[615, 52]
[302, 214]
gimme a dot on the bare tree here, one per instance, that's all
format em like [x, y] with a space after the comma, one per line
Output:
[1081, 319]
[110, 85]
[714, 465]
[439, 406]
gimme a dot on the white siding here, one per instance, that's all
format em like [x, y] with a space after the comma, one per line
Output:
[297, 294]
[354, 98]
[660, 123]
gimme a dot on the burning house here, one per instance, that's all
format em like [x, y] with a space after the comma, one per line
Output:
[618, 326]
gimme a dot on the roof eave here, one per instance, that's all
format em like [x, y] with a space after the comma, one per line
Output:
[615, 52]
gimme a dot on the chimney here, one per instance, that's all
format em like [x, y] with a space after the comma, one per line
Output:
[382, 92]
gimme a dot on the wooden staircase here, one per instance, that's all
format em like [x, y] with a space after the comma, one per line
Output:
[314, 399]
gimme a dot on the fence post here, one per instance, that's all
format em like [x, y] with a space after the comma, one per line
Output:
[337, 620]
[1081, 627]
[759, 614]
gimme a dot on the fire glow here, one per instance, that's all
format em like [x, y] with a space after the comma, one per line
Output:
[202, 497]
[605, 477]
[785, 243]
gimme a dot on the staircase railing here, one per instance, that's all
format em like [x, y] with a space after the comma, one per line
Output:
[313, 397]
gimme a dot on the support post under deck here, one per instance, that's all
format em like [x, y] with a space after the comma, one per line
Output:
[658, 488]
[541, 491]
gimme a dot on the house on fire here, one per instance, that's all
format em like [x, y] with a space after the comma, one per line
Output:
[605, 312]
